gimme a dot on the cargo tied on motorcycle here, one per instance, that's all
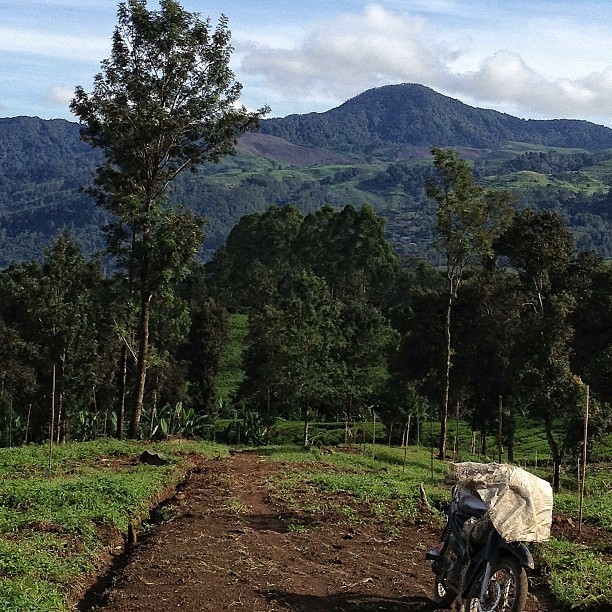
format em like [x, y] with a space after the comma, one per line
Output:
[519, 504]
[494, 509]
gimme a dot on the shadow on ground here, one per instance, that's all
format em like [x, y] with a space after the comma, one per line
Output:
[350, 602]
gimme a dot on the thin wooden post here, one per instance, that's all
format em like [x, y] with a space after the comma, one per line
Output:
[500, 416]
[374, 438]
[456, 444]
[584, 458]
[408, 430]
[27, 431]
[10, 422]
[52, 419]
[431, 435]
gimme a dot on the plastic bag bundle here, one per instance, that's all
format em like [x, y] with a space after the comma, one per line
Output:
[519, 504]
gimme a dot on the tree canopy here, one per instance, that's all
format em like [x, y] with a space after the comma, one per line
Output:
[164, 102]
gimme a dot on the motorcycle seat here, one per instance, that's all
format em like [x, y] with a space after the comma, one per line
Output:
[471, 505]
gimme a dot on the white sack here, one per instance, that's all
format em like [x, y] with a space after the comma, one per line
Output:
[519, 503]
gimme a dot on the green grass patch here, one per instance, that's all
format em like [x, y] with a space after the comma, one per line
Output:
[578, 577]
[54, 520]
[359, 485]
[231, 373]
[376, 483]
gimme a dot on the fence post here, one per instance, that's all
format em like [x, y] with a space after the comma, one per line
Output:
[584, 458]
[500, 430]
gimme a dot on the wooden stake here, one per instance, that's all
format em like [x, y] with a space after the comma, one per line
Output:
[408, 430]
[52, 420]
[584, 458]
[500, 430]
[374, 438]
[423, 496]
[431, 433]
[456, 444]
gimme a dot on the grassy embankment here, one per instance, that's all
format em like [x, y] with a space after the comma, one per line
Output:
[54, 522]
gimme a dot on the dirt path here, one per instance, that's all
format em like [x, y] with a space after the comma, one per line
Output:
[228, 547]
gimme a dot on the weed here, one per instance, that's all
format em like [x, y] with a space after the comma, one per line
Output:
[577, 577]
[235, 505]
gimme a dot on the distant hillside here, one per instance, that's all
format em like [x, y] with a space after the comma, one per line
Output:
[398, 121]
[266, 145]
[43, 168]
[373, 149]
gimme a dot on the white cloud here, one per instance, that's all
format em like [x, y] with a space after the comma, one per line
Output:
[505, 78]
[354, 52]
[60, 95]
[32, 42]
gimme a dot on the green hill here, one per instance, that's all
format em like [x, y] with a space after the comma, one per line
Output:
[399, 121]
[374, 148]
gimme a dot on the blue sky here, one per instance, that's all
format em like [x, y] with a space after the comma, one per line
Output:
[530, 58]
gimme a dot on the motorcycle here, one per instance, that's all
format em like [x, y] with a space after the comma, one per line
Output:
[475, 563]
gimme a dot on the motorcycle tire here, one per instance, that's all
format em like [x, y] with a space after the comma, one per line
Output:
[507, 589]
[443, 598]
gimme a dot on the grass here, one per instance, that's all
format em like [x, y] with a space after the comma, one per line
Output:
[348, 483]
[53, 521]
[579, 576]
[231, 361]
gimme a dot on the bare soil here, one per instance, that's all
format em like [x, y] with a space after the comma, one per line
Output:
[230, 544]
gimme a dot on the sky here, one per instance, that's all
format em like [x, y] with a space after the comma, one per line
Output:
[539, 59]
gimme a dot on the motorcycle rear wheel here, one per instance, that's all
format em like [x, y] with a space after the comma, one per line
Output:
[506, 591]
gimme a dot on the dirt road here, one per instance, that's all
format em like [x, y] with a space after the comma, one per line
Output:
[229, 547]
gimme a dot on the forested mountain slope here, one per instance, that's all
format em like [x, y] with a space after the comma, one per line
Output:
[400, 120]
[372, 149]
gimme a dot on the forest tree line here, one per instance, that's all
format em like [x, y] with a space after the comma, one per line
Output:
[339, 325]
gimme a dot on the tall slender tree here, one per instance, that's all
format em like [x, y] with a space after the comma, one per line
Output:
[540, 248]
[165, 101]
[469, 218]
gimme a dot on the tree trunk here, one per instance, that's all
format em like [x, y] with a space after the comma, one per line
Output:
[143, 352]
[510, 428]
[52, 415]
[61, 417]
[444, 407]
[407, 441]
[500, 430]
[557, 455]
[456, 445]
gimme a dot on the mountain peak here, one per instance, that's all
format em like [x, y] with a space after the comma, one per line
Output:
[390, 122]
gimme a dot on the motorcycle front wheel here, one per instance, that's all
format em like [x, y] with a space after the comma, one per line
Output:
[443, 598]
[506, 591]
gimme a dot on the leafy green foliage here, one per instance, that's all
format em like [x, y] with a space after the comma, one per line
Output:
[389, 487]
[579, 577]
[164, 102]
[469, 219]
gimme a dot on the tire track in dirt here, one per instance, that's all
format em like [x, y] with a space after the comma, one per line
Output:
[228, 547]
